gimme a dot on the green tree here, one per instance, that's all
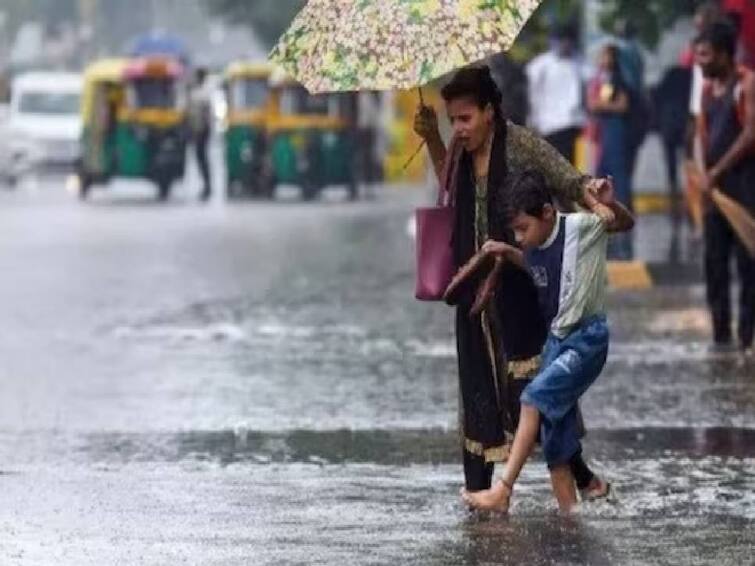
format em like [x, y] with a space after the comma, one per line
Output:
[268, 18]
[650, 17]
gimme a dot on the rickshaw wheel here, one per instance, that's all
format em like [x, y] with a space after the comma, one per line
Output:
[234, 189]
[163, 189]
[353, 189]
[267, 187]
[309, 193]
[85, 186]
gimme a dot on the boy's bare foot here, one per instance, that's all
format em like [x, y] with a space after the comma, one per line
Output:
[497, 498]
[598, 489]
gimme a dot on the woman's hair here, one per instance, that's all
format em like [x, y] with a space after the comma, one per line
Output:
[475, 83]
[529, 194]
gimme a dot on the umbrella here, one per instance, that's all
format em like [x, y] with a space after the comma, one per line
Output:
[160, 44]
[346, 45]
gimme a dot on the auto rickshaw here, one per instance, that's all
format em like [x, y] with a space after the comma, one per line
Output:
[250, 106]
[134, 117]
[312, 139]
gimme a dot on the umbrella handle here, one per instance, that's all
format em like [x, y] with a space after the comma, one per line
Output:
[416, 152]
[414, 155]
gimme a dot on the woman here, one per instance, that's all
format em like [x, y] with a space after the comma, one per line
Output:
[608, 100]
[498, 350]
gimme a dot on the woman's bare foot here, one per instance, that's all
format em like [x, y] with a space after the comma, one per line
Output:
[496, 498]
[598, 489]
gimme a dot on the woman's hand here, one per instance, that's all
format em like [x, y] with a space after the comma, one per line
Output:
[426, 122]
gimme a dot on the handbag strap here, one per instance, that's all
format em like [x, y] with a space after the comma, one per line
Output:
[447, 189]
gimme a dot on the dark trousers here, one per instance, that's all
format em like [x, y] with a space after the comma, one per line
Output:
[565, 142]
[201, 143]
[720, 242]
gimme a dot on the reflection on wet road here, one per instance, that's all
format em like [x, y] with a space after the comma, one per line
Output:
[256, 385]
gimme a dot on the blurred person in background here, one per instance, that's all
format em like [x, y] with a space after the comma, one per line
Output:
[631, 65]
[369, 118]
[200, 118]
[705, 16]
[556, 93]
[670, 101]
[608, 101]
[511, 76]
[727, 131]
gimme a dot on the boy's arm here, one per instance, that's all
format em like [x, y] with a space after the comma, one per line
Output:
[616, 216]
[623, 220]
[506, 252]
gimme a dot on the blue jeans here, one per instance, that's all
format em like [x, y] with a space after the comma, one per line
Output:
[570, 366]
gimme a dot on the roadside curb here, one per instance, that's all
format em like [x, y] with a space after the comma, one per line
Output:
[641, 275]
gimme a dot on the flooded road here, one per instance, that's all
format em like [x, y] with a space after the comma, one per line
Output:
[255, 384]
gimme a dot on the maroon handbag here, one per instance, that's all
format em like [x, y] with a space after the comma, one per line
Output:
[435, 226]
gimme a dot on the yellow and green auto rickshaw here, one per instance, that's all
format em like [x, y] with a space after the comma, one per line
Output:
[312, 139]
[250, 106]
[134, 117]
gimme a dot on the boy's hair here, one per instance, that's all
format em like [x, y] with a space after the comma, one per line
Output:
[721, 36]
[529, 194]
[477, 84]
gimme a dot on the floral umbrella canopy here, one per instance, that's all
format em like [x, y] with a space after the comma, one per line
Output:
[345, 45]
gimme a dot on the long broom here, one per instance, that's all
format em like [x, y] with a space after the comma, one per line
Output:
[693, 197]
[739, 217]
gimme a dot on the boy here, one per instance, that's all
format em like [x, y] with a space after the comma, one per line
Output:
[566, 256]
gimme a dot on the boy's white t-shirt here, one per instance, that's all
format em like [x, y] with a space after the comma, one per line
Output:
[583, 278]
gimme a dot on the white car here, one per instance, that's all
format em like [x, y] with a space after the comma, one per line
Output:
[44, 125]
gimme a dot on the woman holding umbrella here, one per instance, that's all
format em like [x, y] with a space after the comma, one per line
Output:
[499, 348]
[354, 45]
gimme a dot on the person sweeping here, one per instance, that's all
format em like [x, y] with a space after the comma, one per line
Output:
[726, 127]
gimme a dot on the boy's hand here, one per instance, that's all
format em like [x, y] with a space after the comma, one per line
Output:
[601, 190]
[599, 197]
[495, 248]
[426, 122]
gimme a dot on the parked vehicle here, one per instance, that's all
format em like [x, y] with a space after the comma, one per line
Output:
[43, 124]
[250, 106]
[135, 123]
[312, 139]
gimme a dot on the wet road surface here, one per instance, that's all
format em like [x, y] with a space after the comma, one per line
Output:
[254, 384]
